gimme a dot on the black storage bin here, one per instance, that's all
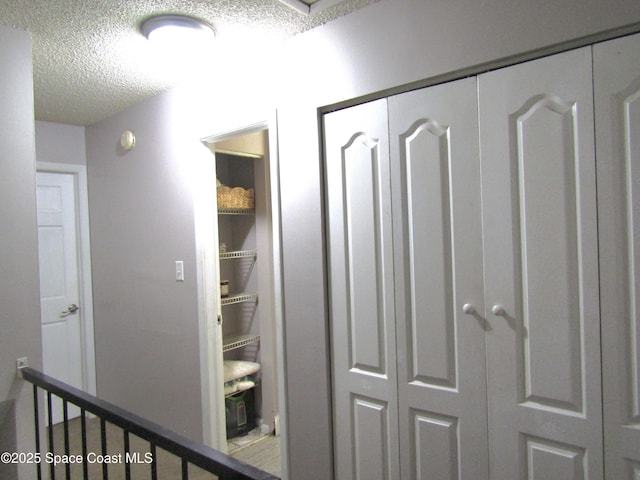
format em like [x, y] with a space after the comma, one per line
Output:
[241, 415]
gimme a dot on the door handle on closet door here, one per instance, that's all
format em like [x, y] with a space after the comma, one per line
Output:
[468, 309]
[498, 310]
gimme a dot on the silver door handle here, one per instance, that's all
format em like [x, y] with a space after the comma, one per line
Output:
[468, 309]
[73, 308]
[499, 311]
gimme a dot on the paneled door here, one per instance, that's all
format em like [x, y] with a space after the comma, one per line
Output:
[62, 351]
[361, 289]
[617, 104]
[439, 282]
[541, 271]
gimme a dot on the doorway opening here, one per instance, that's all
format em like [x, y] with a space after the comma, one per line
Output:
[244, 308]
[68, 351]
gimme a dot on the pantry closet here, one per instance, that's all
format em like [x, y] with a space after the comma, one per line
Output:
[243, 290]
[482, 289]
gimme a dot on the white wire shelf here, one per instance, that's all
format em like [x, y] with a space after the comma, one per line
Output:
[236, 211]
[239, 298]
[239, 342]
[238, 254]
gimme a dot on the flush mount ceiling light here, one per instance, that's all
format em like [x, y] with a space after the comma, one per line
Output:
[176, 29]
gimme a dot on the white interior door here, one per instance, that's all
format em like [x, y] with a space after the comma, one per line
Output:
[435, 167]
[361, 287]
[59, 282]
[617, 103]
[541, 272]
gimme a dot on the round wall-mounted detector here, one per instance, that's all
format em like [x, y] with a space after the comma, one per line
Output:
[128, 140]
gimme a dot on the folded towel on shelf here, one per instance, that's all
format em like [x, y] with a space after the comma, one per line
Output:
[235, 369]
[240, 385]
[239, 375]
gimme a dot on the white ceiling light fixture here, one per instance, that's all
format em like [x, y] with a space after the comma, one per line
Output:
[177, 31]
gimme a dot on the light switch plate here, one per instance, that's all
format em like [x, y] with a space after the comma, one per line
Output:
[179, 271]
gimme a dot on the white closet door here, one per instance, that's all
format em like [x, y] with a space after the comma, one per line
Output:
[617, 103]
[541, 272]
[438, 263]
[361, 293]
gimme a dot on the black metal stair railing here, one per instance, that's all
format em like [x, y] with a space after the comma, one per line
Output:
[225, 467]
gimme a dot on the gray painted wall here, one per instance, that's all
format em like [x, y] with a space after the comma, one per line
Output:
[19, 288]
[60, 143]
[141, 215]
[390, 43]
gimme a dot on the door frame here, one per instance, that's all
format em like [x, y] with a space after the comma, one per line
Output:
[79, 173]
[213, 413]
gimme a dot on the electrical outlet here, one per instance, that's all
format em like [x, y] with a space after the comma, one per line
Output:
[22, 363]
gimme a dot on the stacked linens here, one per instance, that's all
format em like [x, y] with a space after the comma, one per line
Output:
[239, 375]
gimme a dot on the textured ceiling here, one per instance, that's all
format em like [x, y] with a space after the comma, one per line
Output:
[90, 60]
